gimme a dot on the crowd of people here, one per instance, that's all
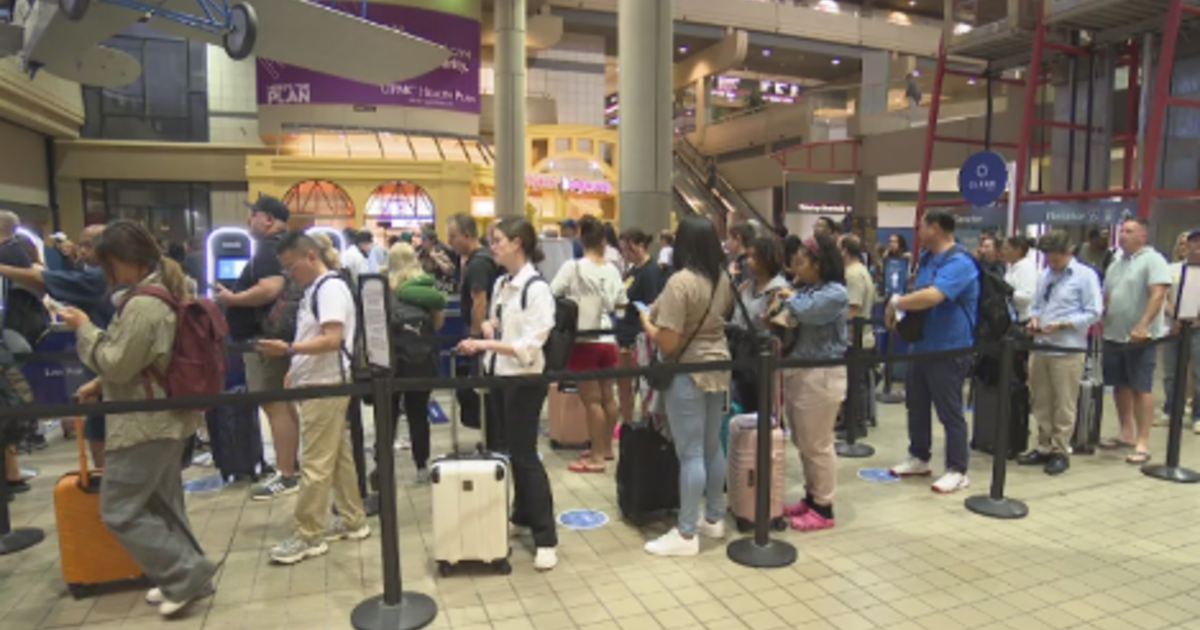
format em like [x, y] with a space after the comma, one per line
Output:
[701, 300]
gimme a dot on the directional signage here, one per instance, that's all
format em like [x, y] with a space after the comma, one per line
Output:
[983, 178]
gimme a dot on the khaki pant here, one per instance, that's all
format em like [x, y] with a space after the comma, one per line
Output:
[328, 465]
[1054, 386]
[813, 397]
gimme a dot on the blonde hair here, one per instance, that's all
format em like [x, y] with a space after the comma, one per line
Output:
[329, 255]
[403, 265]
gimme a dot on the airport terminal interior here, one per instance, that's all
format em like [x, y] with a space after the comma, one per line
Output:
[1046, 121]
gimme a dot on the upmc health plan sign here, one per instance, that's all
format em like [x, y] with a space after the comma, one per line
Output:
[983, 178]
[454, 86]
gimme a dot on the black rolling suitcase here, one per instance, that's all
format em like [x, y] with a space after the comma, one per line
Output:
[647, 473]
[1089, 414]
[986, 414]
[236, 440]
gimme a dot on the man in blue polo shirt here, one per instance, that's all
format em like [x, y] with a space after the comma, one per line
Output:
[946, 296]
[85, 288]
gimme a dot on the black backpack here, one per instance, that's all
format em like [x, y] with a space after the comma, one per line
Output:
[25, 314]
[561, 341]
[279, 321]
[996, 310]
[414, 340]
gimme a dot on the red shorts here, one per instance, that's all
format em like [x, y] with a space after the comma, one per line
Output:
[587, 357]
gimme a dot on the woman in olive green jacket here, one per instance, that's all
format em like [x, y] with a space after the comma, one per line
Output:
[141, 498]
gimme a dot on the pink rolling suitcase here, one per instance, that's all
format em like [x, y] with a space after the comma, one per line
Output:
[568, 418]
[742, 462]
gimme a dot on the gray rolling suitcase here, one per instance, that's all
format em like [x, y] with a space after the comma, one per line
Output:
[1089, 414]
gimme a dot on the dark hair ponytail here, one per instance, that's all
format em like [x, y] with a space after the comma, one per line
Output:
[131, 243]
[520, 229]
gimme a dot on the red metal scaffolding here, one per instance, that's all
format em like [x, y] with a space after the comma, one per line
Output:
[1146, 192]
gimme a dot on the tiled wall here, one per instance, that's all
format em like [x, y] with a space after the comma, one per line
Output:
[232, 108]
[571, 73]
[229, 205]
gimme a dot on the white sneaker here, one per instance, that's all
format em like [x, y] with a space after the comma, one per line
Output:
[296, 549]
[340, 531]
[673, 544]
[155, 596]
[912, 468]
[1196, 427]
[712, 530]
[952, 481]
[546, 558]
[169, 608]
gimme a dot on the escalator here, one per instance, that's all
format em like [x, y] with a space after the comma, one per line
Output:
[700, 191]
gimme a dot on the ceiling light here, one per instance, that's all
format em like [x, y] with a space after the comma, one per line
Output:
[766, 52]
[683, 49]
[970, 81]
[912, 3]
[836, 62]
[916, 73]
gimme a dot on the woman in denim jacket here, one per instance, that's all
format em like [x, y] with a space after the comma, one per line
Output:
[813, 395]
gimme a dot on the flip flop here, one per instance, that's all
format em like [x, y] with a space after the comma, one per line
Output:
[588, 455]
[1113, 444]
[584, 467]
[1138, 458]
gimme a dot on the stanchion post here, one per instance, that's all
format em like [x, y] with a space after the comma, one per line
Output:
[395, 609]
[13, 540]
[1172, 471]
[995, 504]
[888, 397]
[854, 410]
[760, 551]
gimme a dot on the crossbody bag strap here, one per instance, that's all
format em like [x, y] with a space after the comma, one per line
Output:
[316, 311]
[712, 298]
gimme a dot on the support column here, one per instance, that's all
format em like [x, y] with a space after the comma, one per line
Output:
[645, 128]
[703, 105]
[510, 108]
[876, 74]
[866, 208]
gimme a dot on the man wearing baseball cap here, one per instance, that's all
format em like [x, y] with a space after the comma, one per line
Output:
[258, 288]
[1067, 302]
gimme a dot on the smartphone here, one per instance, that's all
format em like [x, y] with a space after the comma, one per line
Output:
[54, 304]
[641, 306]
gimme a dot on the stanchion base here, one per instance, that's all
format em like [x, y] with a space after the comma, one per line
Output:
[1171, 473]
[894, 398]
[773, 555]
[414, 611]
[997, 508]
[20, 540]
[371, 505]
[858, 450]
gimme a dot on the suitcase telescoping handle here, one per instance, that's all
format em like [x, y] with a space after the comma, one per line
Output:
[85, 475]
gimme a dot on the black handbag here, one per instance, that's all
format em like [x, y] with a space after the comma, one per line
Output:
[662, 382]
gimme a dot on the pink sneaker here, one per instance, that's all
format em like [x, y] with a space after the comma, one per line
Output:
[799, 509]
[811, 522]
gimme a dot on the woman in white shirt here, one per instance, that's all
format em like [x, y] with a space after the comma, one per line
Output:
[1022, 274]
[595, 285]
[521, 318]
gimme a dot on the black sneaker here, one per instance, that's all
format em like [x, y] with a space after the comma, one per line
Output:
[1057, 465]
[1033, 458]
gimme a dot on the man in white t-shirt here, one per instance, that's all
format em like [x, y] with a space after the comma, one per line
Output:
[325, 326]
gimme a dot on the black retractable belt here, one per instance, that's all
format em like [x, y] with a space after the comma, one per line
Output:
[855, 415]
[994, 504]
[1172, 471]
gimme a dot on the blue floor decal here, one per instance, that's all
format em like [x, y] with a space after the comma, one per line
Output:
[583, 520]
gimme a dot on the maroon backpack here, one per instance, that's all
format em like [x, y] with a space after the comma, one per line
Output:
[198, 358]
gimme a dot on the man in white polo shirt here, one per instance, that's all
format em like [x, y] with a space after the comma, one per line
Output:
[325, 325]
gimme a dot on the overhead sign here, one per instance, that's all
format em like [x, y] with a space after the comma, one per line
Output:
[1108, 212]
[454, 86]
[986, 216]
[983, 178]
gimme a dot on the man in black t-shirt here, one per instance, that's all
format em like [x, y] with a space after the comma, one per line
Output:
[479, 273]
[254, 293]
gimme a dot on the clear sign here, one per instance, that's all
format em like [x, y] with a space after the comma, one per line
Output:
[983, 178]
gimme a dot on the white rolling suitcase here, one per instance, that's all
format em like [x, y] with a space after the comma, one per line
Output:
[470, 506]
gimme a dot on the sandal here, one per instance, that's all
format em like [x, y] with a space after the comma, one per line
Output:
[811, 522]
[584, 467]
[1113, 444]
[1138, 458]
[588, 454]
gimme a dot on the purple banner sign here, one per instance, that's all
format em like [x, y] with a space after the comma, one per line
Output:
[454, 86]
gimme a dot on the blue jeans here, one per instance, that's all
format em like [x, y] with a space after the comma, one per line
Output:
[694, 416]
[938, 385]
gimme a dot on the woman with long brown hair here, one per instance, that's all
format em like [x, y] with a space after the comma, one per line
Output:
[141, 499]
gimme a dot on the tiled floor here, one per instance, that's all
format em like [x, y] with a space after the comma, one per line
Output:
[1103, 548]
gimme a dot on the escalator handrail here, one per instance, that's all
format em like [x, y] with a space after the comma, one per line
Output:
[727, 191]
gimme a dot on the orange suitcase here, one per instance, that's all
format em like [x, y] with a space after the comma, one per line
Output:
[92, 559]
[568, 420]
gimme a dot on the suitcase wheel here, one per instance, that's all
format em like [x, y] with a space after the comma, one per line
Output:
[779, 524]
[503, 567]
[500, 475]
[744, 525]
[445, 569]
[436, 475]
[79, 591]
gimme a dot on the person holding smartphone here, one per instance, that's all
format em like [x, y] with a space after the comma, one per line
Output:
[643, 283]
